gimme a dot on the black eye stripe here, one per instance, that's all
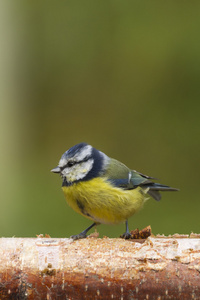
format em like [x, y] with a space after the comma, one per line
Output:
[70, 164]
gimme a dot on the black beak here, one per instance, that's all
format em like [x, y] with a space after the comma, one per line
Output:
[56, 170]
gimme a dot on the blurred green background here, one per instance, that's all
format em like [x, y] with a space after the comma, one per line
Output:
[123, 76]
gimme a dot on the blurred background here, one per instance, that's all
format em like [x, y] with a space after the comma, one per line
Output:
[120, 75]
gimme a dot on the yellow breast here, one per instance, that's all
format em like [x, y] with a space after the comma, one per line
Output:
[101, 202]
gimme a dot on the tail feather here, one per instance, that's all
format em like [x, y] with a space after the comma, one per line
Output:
[154, 194]
[154, 189]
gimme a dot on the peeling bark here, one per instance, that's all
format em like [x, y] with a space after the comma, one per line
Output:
[93, 268]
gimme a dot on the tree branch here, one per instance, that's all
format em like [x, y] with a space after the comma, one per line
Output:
[93, 268]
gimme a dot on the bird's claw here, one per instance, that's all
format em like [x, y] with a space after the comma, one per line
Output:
[125, 235]
[78, 236]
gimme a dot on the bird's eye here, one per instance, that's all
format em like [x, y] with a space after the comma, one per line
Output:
[70, 163]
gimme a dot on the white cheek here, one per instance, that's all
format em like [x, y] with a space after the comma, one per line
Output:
[83, 169]
[78, 171]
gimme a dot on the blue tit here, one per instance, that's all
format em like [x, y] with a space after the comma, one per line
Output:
[103, 189]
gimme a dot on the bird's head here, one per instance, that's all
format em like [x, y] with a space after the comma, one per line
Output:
[81, 162]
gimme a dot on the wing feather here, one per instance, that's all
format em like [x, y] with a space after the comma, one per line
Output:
[121, 176]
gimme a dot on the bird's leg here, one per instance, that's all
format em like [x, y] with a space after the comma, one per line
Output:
[126, 235]
[83, 234]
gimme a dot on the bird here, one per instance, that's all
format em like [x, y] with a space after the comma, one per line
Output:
[104, 189]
